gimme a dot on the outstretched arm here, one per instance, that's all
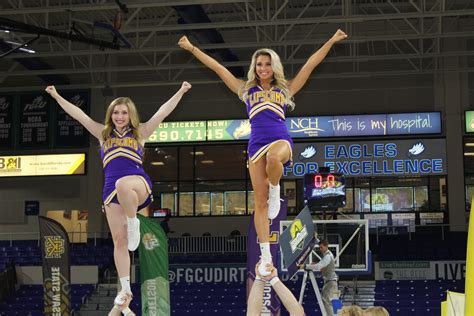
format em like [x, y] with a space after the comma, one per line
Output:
[92, 126]
[300, 79]
[146, 129]
[285, 295]
[254, 303]
[229, 79]
[287, 298]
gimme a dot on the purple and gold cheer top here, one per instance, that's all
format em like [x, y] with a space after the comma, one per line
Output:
[266, 111]
[122, 156]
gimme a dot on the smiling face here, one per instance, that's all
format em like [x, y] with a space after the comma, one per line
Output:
[263, 68]
[120, 116]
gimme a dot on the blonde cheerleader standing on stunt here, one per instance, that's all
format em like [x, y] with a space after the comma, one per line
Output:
[267, 95]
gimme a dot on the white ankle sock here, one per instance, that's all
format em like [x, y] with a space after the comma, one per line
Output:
[265, 250]
[125, 283]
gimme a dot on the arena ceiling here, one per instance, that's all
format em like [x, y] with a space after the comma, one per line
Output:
[387, 38]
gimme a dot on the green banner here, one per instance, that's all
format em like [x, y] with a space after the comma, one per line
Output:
[469, 121]
[154, 280]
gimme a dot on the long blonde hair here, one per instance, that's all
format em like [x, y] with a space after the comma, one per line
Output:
[352, 310]
[279, 80]
[377, 311]
[132, 113]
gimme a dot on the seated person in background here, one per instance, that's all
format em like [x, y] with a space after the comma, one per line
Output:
[254, 304]
[353, 310]
[376, 311]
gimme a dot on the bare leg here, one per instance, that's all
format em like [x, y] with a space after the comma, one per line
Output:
[118, 227]
[276, 157]
[131, 192]
[260, 189]
[262, 224]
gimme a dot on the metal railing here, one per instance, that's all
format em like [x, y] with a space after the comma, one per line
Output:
[238, 244]
[17, 236]
[207, 244]
[20, 236]
[177, 245]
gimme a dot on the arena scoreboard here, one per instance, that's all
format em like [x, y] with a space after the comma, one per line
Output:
[324, 190]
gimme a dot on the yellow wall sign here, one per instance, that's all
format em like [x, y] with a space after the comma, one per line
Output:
[42, 165]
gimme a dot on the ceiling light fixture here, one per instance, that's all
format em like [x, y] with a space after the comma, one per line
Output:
[207, 162]
[196, 153]
[26, 50]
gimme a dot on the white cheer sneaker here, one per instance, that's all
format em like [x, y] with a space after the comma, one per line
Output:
[273, 201]
[133, 235]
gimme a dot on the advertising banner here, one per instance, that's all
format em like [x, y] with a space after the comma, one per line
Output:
[56, 267]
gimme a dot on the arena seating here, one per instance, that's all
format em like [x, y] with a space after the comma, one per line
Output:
[27, 253]
[422, 246]
[28, 300]
[417, 297]
[399, 297]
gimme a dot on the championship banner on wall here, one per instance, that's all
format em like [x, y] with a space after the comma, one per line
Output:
[35, 109]
[270, 303]
[6, 121]
[56, 267]
[68, 131]
[34, 120]
[42, 165]
[154, 280]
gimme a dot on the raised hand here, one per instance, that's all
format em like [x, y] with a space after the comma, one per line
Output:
[51, 91]
[268, 267]
[339, 35]
[271, 276]
[185, 43]
[185, 86]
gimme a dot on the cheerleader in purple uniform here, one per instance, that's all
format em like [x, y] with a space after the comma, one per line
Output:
[127, 188]
[267, 95]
